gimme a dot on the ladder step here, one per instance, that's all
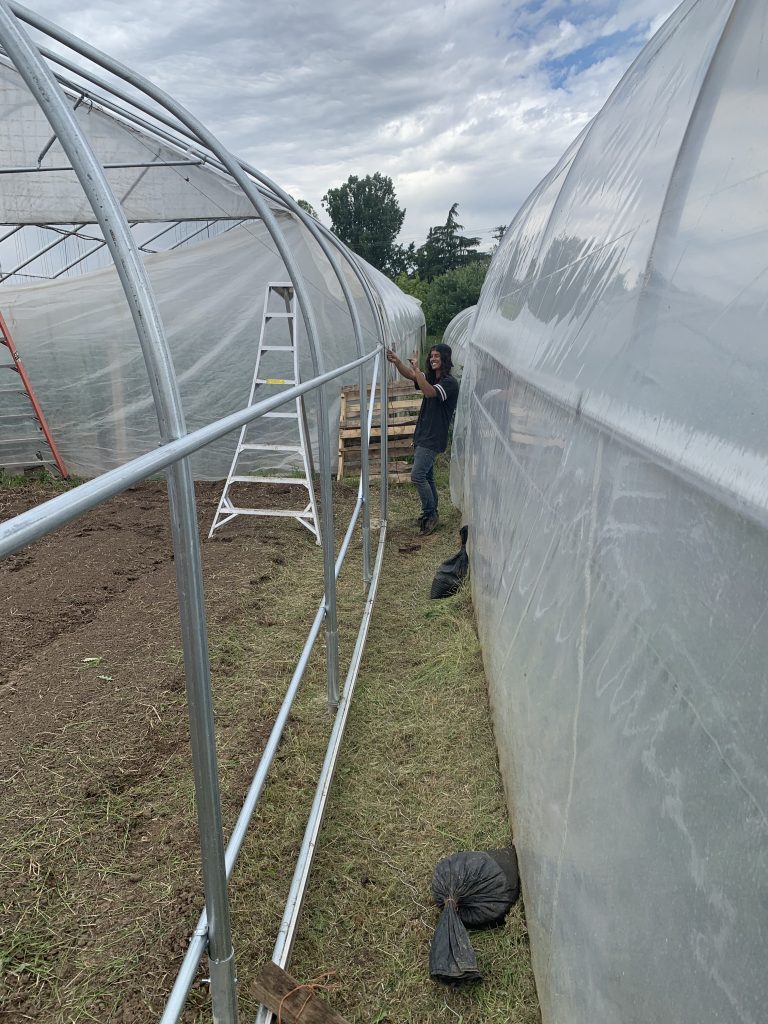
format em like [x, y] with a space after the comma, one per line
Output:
[292, 480]
[281, 316]
[277, 348]
[301, 516]
[280, 416]
[273, 380]
[257, 446]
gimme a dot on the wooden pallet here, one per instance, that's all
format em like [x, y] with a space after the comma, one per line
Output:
[403, 405]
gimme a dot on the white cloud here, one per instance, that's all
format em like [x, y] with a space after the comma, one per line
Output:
[452, 99]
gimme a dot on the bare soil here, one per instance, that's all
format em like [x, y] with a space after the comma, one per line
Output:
[99, 874]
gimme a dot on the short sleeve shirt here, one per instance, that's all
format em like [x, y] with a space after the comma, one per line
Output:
[435, 415]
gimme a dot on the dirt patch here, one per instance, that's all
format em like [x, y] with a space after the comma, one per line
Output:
[99, 868]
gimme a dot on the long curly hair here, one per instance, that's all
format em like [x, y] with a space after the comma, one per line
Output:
[446, 362]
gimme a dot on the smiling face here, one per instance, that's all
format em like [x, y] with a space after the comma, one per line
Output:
[435, 361]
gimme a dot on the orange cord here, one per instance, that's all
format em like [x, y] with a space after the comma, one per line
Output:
[313, 986]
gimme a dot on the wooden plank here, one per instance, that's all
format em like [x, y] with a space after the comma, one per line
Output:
[403, 405]
[393, 431]
[342, 419]
[295, 1003]
[352, 403]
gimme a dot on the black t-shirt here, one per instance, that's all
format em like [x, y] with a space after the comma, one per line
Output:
[435, 415]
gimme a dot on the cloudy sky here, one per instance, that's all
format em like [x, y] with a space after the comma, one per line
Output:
[467, 101]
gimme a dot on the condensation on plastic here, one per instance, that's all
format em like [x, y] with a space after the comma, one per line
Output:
[76, 336]
[611, 460]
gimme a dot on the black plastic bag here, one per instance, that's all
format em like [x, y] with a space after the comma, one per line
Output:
[450, 574]
[475, 890]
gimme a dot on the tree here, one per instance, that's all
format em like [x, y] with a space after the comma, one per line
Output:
[449, 293]
[366, 215]
[307, 208]
[403, 260]
[498, 234]
[445, 248]
[413, 286]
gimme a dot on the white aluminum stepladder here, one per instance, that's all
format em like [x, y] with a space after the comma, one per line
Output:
[227, 510]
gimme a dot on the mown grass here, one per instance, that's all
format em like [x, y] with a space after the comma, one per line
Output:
[417, 779]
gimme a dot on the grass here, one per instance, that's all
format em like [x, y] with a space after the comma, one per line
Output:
[417, 779]
[20, 481]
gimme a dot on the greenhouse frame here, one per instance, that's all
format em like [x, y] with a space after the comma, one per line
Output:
[609, 459]
[132, 176]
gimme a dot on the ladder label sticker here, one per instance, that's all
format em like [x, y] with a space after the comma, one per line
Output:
[275, 380]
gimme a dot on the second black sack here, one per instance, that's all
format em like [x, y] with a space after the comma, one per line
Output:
[450, 574]
[475, 890]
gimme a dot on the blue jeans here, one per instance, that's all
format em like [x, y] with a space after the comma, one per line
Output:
[422, 476]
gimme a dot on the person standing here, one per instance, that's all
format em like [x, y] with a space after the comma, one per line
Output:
[441, 392]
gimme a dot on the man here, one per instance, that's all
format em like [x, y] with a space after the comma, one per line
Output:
[441, 392]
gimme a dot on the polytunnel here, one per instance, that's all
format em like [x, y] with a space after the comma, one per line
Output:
[137, 261]
[208, 254]
[612, 466]
[456, 335]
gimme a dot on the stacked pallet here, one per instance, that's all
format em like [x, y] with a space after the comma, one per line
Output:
[403, 404]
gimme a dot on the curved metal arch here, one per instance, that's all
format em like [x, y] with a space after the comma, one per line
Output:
[319, 232]
[149, 328]
[232, 165]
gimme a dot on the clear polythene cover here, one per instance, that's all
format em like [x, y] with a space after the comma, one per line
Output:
[80, 349]
[610, 458]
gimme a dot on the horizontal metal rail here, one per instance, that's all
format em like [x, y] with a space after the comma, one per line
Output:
[107, 167]
[43, 519]
[178, 444]
[196, 949]
[287, 933]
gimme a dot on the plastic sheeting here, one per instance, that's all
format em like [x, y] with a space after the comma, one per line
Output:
[80, 348]
[610, 457]
[37, 195]
[456, 335]
[76, 336]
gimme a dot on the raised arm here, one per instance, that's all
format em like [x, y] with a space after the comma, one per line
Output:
[411, 371]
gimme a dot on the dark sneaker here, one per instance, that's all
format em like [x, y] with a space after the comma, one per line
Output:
[429, 525]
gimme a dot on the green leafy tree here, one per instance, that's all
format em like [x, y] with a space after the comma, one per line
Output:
[446, 248]
[308, 208]
[449, 293]
[366, 215]
[403, 261]
[413, 286]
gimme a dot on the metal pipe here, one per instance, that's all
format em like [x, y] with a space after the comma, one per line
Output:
[184, 979]
[43, 519]
[319, 232]
[41, 252]
[136, 286]
[294, 273]
[384, 421]
[11, 232]
[350, 530]
[282, 951]
[106, 167]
